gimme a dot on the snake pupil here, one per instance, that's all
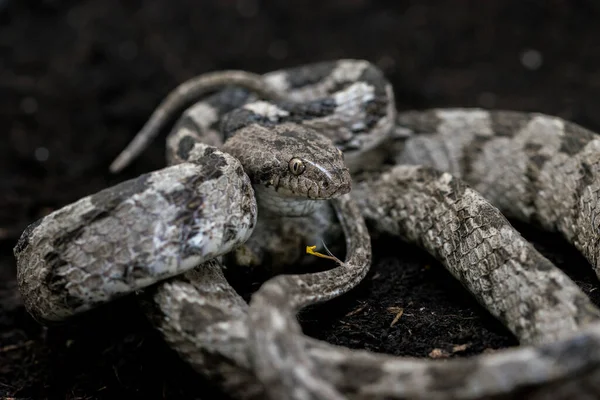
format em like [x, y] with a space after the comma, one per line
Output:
[296, 166]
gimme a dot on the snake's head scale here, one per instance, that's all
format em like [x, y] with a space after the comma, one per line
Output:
[291, 166]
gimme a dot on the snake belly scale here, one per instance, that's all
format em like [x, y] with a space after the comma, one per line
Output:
[441, 179]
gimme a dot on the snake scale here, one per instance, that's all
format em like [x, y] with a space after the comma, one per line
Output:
[267, 159]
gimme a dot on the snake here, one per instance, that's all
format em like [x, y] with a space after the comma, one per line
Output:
[443, 179]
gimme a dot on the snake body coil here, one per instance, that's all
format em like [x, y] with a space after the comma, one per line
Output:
[438, 178]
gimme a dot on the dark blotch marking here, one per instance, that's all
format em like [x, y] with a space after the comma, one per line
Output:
[375, 77]
[541, 263]
[189, 202]
[241, 118]
[229, 234]
[375, 109]
[573, 352]
[222, 102]
[263, 175]
[528, 315]
[247, 206]
[188, 122]
[298, 113]
[213, 161]
[532, 174]
[56, 283]
[553, 286]
[532, 148]
[508, 123]
[228, 99]
[575, 139]
[419, 122]
[239, 171]
[104, 202]
[537, 160]
[470, 153]
[427, 175]
[308, 110]
[185, 145]
[24, 239]
[54, 261]
[134, 272]
[109, 198]
[70, 236]
[309, 74]
[195, 318]
[502, 124]
[209, 151]
[587, 178]
[492, 217]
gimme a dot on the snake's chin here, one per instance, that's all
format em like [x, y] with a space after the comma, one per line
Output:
[282, 203]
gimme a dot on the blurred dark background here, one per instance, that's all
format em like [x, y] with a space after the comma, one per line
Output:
[79, 78]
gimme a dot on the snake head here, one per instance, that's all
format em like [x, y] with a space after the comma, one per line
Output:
[291, 166]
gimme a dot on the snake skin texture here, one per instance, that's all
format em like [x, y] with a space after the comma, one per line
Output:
[126, 237]
[440, 179]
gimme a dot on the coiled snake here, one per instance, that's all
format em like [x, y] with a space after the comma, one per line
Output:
[294, 147]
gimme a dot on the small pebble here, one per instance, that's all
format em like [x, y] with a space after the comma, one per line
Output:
[531, 59]
[41, 154]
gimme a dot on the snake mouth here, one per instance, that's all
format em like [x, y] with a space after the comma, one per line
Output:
[320, 191]
[301, 196]
[321, 187]
[332, 188]
[337, 191]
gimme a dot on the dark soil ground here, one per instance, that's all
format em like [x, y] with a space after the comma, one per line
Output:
[79, 78]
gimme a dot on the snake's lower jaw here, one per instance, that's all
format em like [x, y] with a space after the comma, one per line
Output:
[342, 190]
[283, 204]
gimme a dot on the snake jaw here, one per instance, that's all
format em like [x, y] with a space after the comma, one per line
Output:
[284, 203]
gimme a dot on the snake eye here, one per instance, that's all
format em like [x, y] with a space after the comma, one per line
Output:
[296, 166]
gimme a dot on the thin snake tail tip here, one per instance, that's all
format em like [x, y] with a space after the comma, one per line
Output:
[116, 166]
